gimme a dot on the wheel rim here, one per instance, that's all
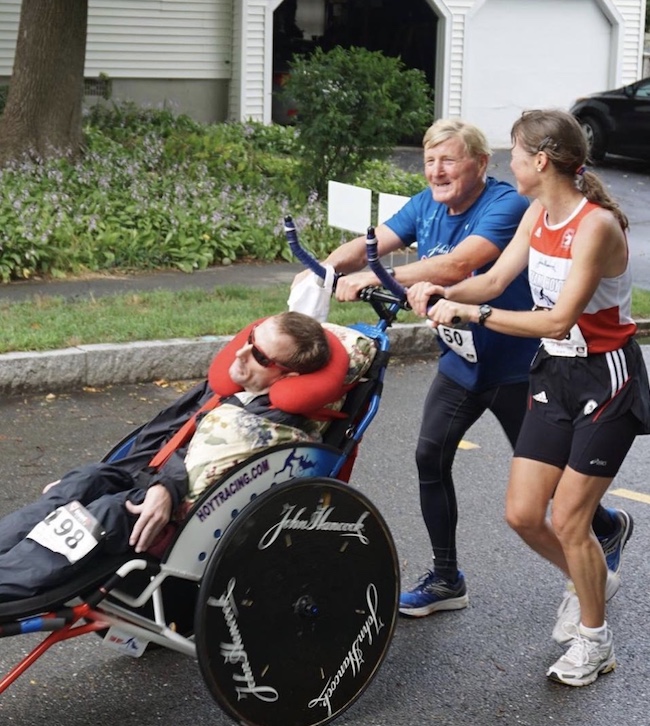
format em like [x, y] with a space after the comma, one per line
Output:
[294, 619]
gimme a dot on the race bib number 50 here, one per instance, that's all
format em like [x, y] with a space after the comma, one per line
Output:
[70, 530]
[460, 340]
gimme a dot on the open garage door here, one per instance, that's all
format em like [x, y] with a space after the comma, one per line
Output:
[398, 28]
[533, 54]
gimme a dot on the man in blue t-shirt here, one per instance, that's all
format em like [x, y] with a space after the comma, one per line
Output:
[461, 224]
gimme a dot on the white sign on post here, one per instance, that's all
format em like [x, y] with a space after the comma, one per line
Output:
[388, 205]
[348, 207]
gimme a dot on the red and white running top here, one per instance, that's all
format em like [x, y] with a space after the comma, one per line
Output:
[606, 323]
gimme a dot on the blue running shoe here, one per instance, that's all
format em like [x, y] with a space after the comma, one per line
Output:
[613, 545]
[433, 593]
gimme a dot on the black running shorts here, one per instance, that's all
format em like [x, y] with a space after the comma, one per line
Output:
[585, 412]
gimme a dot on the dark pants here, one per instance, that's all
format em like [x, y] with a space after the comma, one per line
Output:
[449, 411]
[26, 567]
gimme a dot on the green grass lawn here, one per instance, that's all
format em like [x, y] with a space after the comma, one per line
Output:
[51, 323]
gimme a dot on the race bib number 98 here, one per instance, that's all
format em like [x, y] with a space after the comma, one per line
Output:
[70, 530]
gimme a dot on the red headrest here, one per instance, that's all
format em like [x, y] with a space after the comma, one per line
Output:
[303, 394]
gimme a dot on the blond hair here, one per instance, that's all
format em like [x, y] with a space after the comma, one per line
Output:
[475, 141]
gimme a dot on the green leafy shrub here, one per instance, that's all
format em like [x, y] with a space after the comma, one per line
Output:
[156, 191]
[353, 105]
[126, 121]
[381, 176]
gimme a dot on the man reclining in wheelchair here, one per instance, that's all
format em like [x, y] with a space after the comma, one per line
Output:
[250, 401]
[285, 403]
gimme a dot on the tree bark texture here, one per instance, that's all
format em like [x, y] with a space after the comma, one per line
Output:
[42, 116]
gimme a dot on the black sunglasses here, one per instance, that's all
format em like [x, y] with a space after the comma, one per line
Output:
[261, 357]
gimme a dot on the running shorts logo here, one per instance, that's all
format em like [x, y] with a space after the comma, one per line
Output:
[597, 462]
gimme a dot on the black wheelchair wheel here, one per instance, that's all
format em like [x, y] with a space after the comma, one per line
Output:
[297, 605]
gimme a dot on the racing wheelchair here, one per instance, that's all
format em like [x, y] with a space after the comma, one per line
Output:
[282, 580]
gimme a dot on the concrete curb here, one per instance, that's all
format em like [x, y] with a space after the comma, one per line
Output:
[175, 359]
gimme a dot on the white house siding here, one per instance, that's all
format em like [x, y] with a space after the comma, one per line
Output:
[155, 51]
[250, 94]
[633, 14]
[163, 39]
[257, 30]
[144, 38]
[235, 92]
[456, 12]
[171, 52]
[9, 17]
[454, 102]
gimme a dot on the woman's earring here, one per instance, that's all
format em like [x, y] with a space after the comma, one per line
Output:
[539, 168]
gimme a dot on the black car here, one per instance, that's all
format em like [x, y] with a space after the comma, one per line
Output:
[617, 122]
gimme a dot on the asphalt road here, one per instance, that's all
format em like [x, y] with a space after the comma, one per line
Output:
[483, 666]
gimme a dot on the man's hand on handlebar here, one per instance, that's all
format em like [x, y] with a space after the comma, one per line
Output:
[420, 294]
[447, 312]
[349, 286]
[428, 300]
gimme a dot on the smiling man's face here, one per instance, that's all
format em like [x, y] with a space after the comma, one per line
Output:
[455, 178]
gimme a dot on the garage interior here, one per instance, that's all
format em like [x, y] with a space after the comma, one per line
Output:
[398, 28]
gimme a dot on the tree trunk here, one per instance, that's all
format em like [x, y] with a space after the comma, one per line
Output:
[42, 116]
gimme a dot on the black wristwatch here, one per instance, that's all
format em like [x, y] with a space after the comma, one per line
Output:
[484, 312]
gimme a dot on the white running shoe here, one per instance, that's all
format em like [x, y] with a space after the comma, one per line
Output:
[568, 614]
[585, 660]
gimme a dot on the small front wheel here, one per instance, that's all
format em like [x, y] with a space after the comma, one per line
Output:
[298, 605]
